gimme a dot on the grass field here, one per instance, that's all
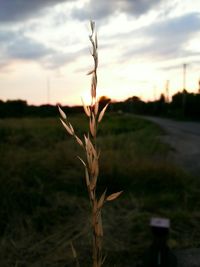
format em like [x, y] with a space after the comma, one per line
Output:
[44, 202]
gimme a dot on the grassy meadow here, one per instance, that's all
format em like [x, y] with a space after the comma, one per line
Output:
[43, 198]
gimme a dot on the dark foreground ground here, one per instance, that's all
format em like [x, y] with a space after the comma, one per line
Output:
[43, 199]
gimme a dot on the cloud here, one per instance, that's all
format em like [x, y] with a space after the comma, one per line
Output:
[59, 59]
[5, 36]
[98, 10]
[27, 49]
[17, 46]
[178, 27]
[18, 42]
[13, 10]
[165, 39]
[162, 39]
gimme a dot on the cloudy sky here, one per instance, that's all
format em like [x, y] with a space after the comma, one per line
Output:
[44, 48]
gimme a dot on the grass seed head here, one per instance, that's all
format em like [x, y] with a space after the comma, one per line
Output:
[114, 196]
[62, 113]
[102, 113]
[68, 128]
[101, 200]
[86, 108]
[79, 141]
[92, 125]
[92, 25]
[73, 251]
[96, 107]
[82, 160]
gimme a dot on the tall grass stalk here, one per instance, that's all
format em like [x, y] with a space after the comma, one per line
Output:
[92, 153]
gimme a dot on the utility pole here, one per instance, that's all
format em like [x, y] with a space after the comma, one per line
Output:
[48, 91]
[155, 92]
[184, 76]
[184, 88]
[167, 91]
[199, 85]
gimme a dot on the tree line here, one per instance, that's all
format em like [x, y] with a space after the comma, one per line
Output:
[182, 105]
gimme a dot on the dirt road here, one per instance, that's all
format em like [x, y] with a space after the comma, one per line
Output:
[184, 138]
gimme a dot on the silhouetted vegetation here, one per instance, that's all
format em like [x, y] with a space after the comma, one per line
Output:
[20, 108]
[183, 105]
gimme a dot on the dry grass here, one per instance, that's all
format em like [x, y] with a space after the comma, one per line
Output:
[44, 205]
[92, 154]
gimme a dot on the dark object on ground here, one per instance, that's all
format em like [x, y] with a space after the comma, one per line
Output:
[159, 253]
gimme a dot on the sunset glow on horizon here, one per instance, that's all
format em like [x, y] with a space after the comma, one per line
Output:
[45, 54]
